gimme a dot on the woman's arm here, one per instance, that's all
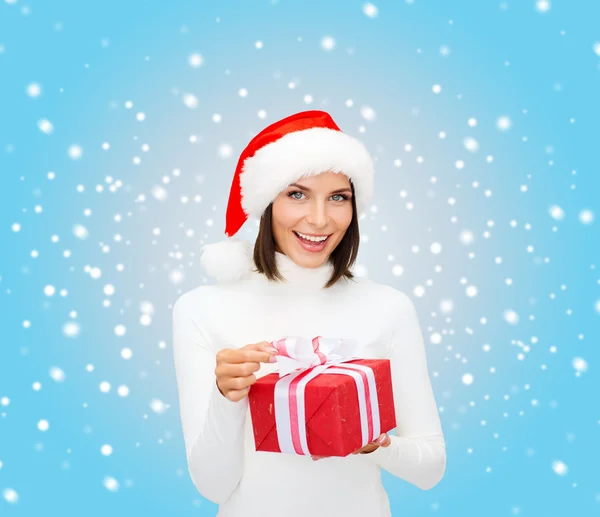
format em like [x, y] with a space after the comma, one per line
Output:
[417, 453]
[213, 425]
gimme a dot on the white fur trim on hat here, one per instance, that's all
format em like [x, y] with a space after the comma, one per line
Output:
[305, 153]
[227, 260]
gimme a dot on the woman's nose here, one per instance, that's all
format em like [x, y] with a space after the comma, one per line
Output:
[318, 214]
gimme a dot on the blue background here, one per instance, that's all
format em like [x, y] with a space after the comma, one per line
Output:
[504, 431]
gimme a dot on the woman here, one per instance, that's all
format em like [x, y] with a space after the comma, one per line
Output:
[308, 182]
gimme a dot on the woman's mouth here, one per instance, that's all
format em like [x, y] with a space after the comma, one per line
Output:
[311, 245]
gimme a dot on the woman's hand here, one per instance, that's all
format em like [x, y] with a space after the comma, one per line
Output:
[235, 368]
[382, 441]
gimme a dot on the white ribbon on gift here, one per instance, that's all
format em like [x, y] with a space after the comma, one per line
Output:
[319, 355]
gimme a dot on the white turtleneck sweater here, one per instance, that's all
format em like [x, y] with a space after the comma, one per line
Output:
[219, 442]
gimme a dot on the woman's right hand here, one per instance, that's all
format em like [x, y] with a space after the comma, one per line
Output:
[235, 368]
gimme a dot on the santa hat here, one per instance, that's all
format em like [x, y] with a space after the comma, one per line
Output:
[304, 144]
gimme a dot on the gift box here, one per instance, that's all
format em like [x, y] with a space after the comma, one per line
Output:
[329, 406]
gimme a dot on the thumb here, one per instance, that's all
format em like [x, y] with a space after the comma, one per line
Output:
[386, 440]
[261, 346]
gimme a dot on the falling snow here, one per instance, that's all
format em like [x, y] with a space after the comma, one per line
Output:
[556, 212]
[10, 495]
[327, 43]
[543, 6]
[190, 100]
[586, 217]
[503, 123]
[370, 10]
[45, 126]
[111, 484]
[559, 468]
[479, 216]
[195, 60]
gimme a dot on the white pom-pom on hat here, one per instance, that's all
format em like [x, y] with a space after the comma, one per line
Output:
[227, 260]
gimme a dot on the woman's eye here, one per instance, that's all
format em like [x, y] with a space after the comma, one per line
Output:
[341, 197]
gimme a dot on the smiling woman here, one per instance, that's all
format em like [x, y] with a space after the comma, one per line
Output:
[308, 182]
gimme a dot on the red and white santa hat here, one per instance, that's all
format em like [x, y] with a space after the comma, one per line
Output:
[304, 144]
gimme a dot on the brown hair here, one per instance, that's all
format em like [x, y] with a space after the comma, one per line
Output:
[342, 257]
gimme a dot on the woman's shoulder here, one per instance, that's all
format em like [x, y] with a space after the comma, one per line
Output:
[386, 292]
[208, 297]
[199, 297]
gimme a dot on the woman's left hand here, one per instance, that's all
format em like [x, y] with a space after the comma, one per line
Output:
[382, 441]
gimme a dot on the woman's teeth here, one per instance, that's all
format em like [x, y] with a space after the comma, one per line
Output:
[312, 239]
[311, 243]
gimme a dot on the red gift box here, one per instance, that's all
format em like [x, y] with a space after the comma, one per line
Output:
[333, 423]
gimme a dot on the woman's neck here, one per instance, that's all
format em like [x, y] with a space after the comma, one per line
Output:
[298, 278]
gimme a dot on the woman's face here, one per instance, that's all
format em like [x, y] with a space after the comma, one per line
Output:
[317, 206]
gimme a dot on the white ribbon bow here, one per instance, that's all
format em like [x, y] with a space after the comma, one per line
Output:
[300, 353]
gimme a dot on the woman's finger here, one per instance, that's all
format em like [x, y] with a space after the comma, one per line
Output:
[384, 440]
[381, 440]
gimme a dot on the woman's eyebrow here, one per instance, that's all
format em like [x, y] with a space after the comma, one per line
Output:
[308, 190]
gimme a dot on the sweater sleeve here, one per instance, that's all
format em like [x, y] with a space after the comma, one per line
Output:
[213, 425]
[417, 452]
